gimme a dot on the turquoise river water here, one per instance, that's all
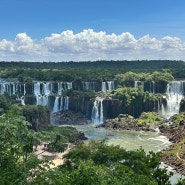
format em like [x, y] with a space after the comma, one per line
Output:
[128, 139]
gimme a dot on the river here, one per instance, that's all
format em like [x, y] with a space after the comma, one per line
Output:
[130, 140]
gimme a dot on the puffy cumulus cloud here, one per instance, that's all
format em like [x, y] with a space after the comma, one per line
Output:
[22, 48]
[91, 45]
[6, 46]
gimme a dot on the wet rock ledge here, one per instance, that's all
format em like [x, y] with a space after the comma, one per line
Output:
[127, 122]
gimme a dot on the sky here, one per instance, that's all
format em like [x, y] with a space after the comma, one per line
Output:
[90, 30]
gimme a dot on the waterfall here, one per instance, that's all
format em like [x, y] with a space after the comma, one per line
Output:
[22, 100]
[37, 88]
[5, 87]
[37, 93]
[66, 103]
[101, 111]
[52, 88]
[69, 85]
[174, 95]
[103, 87]
[60, 88]
[42, 99]
[136, 84]
[111, 86]
[153, 87]
[61, 104]
[56, 104]
[24, 92]
[86, 85]
[2, 90]
[161, 109]
[13, 88]
[89, 86]
[97, 111]
[46, 89]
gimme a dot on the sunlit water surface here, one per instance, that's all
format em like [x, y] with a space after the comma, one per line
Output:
[128, 139]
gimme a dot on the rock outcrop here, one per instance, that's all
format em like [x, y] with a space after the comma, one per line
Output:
[69, 118]
[38, 116]
[127, 122]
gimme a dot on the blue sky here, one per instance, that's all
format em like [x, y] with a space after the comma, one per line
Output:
[119, 29]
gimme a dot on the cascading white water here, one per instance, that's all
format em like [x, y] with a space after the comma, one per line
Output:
[152, 87]
[103, 87]
[46, 89]
[22, 100]
[101, 110]
[37, 88]
[86, 85]
[42, 98]
[61, 104]
[66, 103]
[37, 93]
[24, 90]
[69, 85]
[60, 88]
[56, 104]
[41, 90]
[161, 109]
[89, 86]
[13, 88]
[111, 86]
[97, 111]
[2, 88]
[46, 93]
[174, 95]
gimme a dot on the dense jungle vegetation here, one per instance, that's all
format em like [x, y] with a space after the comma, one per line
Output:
[89, 71]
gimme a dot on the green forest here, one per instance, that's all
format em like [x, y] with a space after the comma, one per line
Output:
[98, 70]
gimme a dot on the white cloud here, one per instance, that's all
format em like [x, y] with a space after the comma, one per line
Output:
[91, 45]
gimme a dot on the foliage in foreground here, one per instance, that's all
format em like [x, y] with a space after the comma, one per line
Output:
[18, 163]
[90, 164]
[105, 164]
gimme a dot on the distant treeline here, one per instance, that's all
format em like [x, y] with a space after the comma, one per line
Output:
[112, 67]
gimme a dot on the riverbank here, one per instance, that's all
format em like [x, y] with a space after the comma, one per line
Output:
[56, 158]
[174, 156]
